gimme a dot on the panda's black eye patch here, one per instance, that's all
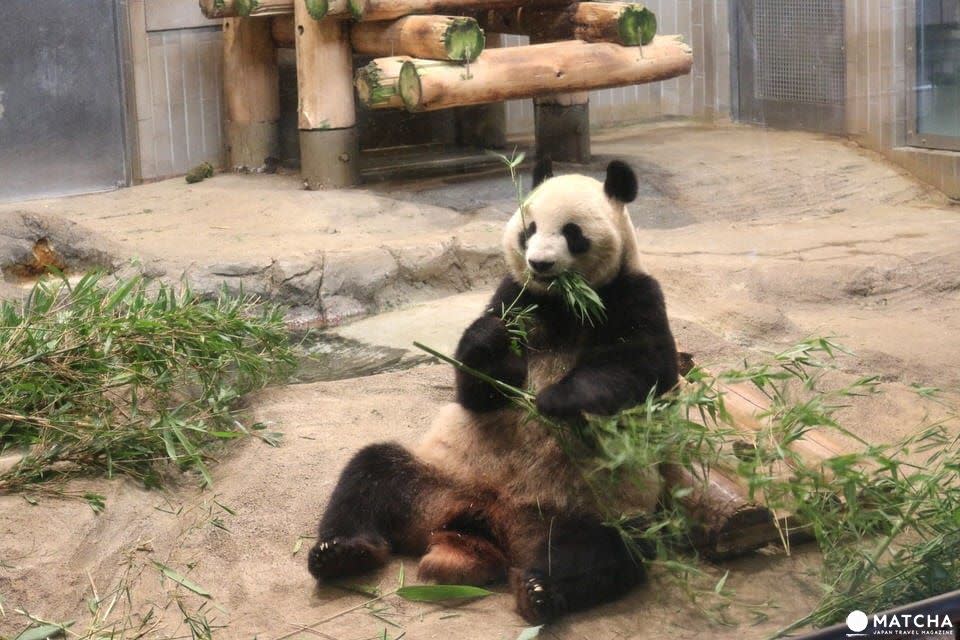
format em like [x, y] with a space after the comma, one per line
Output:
[525, 235]
[576, 241]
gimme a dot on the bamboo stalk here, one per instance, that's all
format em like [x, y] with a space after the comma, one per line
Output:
[525, 72]
[620, 22]
[327, 116]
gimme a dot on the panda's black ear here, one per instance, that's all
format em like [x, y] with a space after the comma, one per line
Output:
[621, 182]
[542, 170]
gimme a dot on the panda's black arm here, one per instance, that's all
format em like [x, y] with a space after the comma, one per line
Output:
[633, 354]
[485, 346]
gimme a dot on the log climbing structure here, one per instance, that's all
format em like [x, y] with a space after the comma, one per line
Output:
[427, 55]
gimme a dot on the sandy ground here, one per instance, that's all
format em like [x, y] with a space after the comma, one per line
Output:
[759, 239]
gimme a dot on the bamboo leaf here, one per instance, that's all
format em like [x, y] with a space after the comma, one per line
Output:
[45, 631]
[182, 580]
[530, 633]
[441, 592]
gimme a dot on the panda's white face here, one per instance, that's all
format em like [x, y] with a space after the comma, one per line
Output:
[567, 223]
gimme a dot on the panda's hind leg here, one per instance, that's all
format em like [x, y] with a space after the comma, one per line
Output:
[374, 509]
[582, 563]
[455, 557]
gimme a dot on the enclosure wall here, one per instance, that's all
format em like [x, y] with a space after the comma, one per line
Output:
[177, 59]
[882, 83]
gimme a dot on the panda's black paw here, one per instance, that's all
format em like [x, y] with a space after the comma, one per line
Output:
[338, 556]
[538, 599]
[484, 342]
[556, 402]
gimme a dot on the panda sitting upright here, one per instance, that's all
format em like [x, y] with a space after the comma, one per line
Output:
[489, 495]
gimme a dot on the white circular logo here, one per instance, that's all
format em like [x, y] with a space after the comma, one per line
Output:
[857, 620]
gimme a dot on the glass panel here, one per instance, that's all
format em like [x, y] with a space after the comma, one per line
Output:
[938, 68]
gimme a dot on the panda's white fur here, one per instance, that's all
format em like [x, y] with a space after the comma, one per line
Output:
[504, 448]
[581, 200]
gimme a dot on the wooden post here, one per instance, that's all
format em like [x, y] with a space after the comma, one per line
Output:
[561, 121]
[483, 126]
[251, 89]
[525, 72]
[329, 152]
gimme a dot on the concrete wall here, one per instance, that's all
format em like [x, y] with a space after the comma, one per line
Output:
[704, 93]
[881, 84]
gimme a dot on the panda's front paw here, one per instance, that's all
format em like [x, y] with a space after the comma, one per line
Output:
[337, 556]
[557, 402]
[485, 340]
[538, 599]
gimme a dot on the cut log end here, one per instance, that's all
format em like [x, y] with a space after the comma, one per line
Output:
[410, 88]
[464, 40]
[637, 25]
[374, 90]
[244, 7]
[216, 8]
[317, 8]
[357, 8]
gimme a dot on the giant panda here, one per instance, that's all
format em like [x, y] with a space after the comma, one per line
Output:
[488, 494]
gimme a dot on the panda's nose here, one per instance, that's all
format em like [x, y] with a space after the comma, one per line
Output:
[541, 266]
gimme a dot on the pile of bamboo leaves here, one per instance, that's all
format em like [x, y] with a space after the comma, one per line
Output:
[125, 376]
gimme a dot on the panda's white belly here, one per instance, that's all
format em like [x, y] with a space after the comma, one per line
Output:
[518, 456]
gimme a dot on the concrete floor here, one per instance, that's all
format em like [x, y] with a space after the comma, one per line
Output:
[760, 238]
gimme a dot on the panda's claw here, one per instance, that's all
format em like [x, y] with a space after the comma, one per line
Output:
[538, 599]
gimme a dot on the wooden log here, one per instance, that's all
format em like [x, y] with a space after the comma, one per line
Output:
[245, 8]
[378, 82]
[327, 115]
[390, 9]
[525, 72]
[251, 90]
[745, 404]
[620, 22]
[429, 37]
[729, 523]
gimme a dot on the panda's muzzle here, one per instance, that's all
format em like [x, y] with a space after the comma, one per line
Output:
[541, 267]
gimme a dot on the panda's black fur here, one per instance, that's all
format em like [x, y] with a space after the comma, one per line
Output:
[490, 496]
